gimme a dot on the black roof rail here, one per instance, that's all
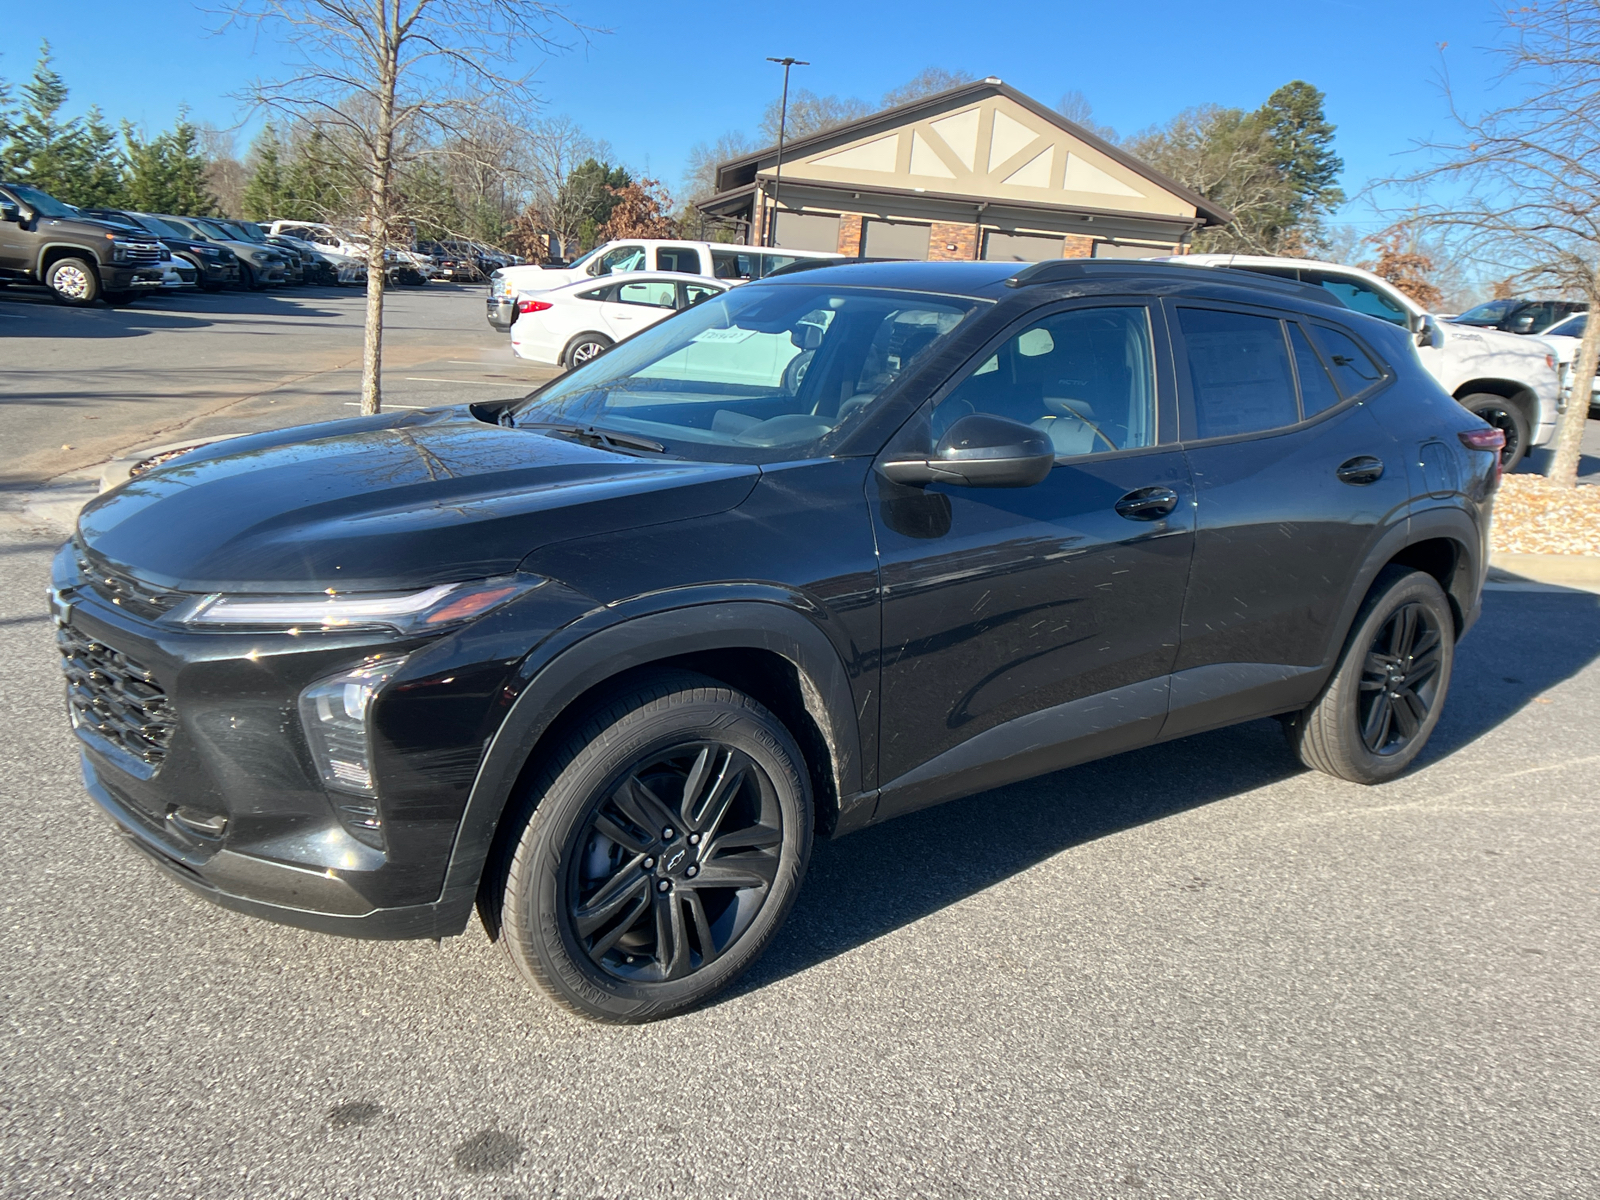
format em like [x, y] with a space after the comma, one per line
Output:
[1072, 269]
[812, 264]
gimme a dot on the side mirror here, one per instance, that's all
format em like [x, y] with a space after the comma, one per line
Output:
[980, 451]
[1428, 332]
[10, 212]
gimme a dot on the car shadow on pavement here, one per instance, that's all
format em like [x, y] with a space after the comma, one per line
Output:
[874, 882]
[37, 315]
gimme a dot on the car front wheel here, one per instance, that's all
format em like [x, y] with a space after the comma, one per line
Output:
[665, 846]
[1378, 709]
[1508, 419]
[73, 281]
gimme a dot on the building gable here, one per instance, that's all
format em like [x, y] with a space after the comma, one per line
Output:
[989, 147]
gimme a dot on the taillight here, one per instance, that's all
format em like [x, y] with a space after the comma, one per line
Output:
[525, 306]
[1483, 439]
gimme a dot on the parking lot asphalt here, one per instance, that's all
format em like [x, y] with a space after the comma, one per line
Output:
[1195, 970]
[80, 385]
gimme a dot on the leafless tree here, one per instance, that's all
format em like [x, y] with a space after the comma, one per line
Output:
[560, 198]
[1524, 179]
[388, 79]
[926, 82]
[1075, 107]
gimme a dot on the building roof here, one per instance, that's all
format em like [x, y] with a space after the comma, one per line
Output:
[734, 175]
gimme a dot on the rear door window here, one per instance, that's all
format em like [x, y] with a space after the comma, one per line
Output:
[1240, 380]
[694, 293]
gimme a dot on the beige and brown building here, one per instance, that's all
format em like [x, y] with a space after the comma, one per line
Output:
[979, 171]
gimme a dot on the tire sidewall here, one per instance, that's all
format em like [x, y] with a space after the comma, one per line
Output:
[1480, 400]
[587, 339]
[536, 920]
[1414, 586]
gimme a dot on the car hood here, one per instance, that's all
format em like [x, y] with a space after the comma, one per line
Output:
[96, 225]
[384, 502]
[1497, 341]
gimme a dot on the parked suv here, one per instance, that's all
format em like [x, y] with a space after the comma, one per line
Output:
[1519, 316]
[1509, 381]
[259, 266]
[816, 552]
[215, 266]
[80, 258]
[715, 259]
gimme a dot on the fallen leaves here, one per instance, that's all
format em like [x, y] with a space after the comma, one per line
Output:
[1532, 517]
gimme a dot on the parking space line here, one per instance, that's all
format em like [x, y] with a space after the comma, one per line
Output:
[469, 382]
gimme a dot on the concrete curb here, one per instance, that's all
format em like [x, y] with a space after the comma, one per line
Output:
[1577, 571]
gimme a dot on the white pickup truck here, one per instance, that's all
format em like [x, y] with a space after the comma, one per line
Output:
[719, 260]
[1508, 380]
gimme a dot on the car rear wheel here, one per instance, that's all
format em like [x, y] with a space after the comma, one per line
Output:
[74, 281]
[1377, 711]
[1507, 418]
[585, 347]
[665, 846]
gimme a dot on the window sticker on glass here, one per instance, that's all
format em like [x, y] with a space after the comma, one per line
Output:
[723, 335]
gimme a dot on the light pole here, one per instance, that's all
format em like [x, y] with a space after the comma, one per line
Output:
[783, 121]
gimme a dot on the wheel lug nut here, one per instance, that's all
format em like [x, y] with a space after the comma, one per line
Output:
[694, 839]
[648, 863]
[667, 834]
[663, 886]
[692, 872]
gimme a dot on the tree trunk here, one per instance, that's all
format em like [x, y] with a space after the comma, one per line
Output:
[378, 232]
[1569, 433]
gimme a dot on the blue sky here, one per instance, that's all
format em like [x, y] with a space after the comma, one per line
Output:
[666, 76]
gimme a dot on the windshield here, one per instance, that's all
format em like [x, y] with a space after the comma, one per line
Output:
[1573, 326]
[1491, 312]
[42, 203]
[214, 230]
[759, 374]
[251, 231]
[166, 227]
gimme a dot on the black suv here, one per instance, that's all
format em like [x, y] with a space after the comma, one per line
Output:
[79, 258]
[1519, 316]
[216, 267]
[820, 551]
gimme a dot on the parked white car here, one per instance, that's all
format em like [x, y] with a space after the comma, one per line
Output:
[569, 325]
[1563, 337]
[718, 260]
[346, 256]
[1508, 380]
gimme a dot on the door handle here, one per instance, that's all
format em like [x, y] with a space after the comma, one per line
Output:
[1147, 504]
[1361, 469]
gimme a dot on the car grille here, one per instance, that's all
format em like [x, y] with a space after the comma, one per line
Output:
[126, 592]
[115, 699]
[142, 254]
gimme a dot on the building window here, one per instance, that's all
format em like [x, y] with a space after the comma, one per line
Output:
[895, 239]
[806, 231]
[1020, 247]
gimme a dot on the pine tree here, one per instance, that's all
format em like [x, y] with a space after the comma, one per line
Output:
[188, 166]
[147, 180]
[312, 191]
[265, 194]
[44, 150]
[1302, 149]
[100, 164]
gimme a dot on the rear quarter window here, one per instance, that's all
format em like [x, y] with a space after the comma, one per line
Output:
[1354, 371]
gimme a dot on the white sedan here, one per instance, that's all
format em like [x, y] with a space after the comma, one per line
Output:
[569, 325]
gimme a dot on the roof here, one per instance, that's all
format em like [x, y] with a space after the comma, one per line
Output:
[737, 173]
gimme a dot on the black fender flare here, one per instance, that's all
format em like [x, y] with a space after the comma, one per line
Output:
[1439, 521]
[639, 641]
[76, 251]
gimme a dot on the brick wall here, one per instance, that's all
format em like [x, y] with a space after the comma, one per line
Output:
[850, 234]
[952, 243]
[1077, 246]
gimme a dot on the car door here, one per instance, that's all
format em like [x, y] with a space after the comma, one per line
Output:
[16, 244]
[639, 304]
[1295, 483]
[1025, 629]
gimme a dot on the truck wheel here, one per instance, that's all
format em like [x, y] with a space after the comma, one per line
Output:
[1507, 418]
[666, 843]
[74, 281]
[585, 347]
[1377, 710]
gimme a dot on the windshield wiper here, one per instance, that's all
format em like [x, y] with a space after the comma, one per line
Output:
[593, 434]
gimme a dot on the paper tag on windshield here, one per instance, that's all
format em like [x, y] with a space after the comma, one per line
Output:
[723, 335]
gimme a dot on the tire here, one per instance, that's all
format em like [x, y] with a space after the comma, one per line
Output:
[1383, 700]
[74, 281]
[605, 902]
[586, 347]
[1506, 417]
[247, 278]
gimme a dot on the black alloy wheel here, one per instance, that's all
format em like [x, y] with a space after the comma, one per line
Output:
[1508, 419]
[675, 863]
[1400, 679]
[1380, 705]
[658, 852]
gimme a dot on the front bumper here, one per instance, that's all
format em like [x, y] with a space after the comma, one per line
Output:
[126, 279]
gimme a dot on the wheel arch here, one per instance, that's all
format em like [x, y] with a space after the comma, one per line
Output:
[594, 334]
[1520, 394]
[53, 252]
[773, 653]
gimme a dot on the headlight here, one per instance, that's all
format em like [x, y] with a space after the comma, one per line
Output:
[333, 714]
[426, 611]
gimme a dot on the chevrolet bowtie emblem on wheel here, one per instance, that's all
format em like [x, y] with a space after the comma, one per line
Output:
[676, 858]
